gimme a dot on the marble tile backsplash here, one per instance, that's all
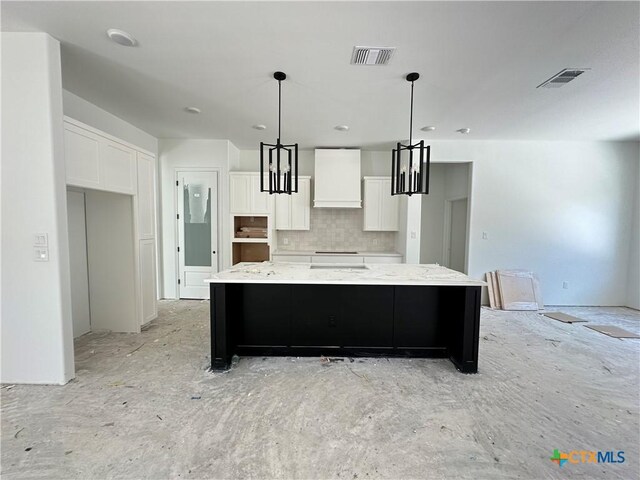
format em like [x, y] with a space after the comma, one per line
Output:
[337, 229]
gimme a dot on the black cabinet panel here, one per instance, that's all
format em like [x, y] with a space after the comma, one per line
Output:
[416, 315]
[367, 315]
[342, 315]
[266, 315]
[315, 315]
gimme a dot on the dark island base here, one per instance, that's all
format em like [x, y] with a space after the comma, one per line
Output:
[345, 321]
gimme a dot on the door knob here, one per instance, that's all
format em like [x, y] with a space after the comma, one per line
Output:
[213, 252]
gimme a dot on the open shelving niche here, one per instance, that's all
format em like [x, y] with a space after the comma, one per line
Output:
[250, 246]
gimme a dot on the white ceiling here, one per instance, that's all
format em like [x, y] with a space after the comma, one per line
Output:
[480, 63]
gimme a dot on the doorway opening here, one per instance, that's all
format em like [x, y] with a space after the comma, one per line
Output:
[444, 237]
[102, 261]
[455, 234]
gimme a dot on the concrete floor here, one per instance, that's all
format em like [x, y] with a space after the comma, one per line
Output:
[144, 406]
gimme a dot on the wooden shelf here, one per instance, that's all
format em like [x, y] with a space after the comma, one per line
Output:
[250, 240]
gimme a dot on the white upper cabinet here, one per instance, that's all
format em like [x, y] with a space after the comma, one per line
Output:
[380, 208]
[245, 195]
[259, 201]
[146, 196]
[293, 211]
[337, 179]
[94, 161]
[81, 150]
[118, 167]
[239, 188]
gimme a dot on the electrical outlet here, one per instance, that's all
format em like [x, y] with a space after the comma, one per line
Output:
[413, 235]
[565, 285]
[485, 236]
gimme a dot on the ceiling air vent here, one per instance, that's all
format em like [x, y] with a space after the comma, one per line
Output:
[372, 55]
[562, 78]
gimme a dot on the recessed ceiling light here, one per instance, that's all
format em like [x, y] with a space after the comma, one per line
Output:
[121, 37]
[464, 131]
[194, 110]
[342, 128]
[428, 128]
[259, 126]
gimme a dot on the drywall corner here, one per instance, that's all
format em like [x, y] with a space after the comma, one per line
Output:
[633, 276]
[37, 329]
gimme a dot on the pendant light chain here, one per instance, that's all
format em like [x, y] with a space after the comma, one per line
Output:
[279, 107]
[411, 117]
[278, 162]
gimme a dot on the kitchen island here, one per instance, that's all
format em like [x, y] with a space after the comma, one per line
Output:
[371, 310]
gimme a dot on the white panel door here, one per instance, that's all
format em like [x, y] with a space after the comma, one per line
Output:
[80, 312]
[81, 154]
[239, 192]
[197, 232]
[149, 298]
[146, 196]
[388, 207]
[118, 167]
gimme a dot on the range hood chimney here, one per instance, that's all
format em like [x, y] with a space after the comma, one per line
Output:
[337, 181]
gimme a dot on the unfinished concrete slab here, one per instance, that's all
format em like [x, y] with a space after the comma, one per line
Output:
[144, 406]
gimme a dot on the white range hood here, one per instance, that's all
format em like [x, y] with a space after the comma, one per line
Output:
[337, 181]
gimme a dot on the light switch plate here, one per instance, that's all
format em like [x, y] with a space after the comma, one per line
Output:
[40, 254]
[40, 240]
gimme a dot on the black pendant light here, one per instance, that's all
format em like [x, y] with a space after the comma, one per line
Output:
[282, 165]
[410, 163]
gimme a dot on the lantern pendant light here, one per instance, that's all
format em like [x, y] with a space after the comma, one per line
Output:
[410, 163]
[282, 160]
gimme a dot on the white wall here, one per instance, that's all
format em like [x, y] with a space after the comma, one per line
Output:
[80, 109]
[633, 280]
[37, 330]
[112, 262]
[176, 154]
[560, 209]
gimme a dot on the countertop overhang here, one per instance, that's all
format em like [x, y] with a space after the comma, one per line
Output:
[343, 274]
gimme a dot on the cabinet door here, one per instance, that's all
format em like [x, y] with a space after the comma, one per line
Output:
[301, 206]
[388, 207]
[117, 167]
[239, 186]
[149, 299]
[372, 204]
[283, 211]
[146, 196]
[81, 152]
[259, 200]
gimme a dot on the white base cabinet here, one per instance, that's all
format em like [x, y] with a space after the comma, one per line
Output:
[301, 257]
[380, 208]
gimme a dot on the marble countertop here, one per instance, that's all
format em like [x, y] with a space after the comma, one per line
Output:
[342, 274]
[359, 254]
